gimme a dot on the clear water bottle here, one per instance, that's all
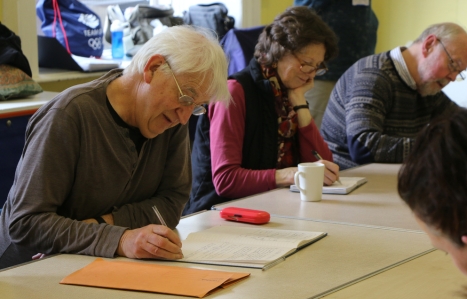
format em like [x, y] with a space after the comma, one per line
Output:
[117, 39]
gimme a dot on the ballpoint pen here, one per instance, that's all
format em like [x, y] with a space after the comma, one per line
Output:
[159, 216]
[318, 157]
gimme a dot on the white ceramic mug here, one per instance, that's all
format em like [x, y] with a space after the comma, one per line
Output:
[309, 180]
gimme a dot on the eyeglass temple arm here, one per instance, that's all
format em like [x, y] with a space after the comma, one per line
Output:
[173, 75]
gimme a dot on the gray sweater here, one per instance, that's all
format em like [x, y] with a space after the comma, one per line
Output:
[77, 163]
[374, 116]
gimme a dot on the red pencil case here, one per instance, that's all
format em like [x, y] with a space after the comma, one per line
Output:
[245, 215]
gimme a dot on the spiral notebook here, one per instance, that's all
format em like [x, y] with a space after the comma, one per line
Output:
[249, 247]
[347, 185]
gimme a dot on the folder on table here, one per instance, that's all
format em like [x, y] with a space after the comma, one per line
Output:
[149, 277]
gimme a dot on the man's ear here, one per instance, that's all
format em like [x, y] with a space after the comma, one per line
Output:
[153, 63]
[428, 44]
[464, 239]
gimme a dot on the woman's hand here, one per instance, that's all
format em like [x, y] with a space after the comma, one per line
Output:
[297, 95]
[297, 98]
[151, 241]
[331, 172]
[285, 176]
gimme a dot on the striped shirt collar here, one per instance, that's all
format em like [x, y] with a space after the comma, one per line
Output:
[401, 67]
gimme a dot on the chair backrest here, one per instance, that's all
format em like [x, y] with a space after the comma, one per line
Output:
[239, 46]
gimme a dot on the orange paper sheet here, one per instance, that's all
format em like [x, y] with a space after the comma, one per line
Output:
[151, 278]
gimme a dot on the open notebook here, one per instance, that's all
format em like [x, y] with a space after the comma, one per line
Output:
[251, 247]
[348, 184]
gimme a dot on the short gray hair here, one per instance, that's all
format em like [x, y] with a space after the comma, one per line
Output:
[443, 31]
[188, 50]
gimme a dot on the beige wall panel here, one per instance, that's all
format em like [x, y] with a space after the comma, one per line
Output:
[271, 8]
[402, 21]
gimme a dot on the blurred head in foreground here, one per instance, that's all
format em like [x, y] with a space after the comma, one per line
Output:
[433, 182]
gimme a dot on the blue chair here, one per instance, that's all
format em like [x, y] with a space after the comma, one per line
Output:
[239, 46]
[12, 131]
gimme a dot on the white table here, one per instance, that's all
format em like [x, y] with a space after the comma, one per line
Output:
[347, 255]
[380, 255]
[375, 203]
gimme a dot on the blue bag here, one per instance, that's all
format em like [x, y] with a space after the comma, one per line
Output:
[73, 24]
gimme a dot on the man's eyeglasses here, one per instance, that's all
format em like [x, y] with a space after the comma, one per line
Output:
[308, 69]
[187, 100]
[452, 65]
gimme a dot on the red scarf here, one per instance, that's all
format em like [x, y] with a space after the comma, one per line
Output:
[287, 120]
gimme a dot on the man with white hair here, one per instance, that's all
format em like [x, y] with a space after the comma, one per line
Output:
[379, 105]
[101, 155]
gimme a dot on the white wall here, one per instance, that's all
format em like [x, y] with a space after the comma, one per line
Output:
[457, 91]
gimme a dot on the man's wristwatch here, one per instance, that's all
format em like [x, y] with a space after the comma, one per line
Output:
[100, 220]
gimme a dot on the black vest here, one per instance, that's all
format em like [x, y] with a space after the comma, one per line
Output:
[259, 143]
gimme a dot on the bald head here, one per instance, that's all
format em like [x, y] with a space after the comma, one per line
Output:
[444, 31]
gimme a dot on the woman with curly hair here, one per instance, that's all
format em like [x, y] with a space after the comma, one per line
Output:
[255, 144]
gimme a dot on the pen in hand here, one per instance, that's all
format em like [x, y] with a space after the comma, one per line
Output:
[159, 216]
[171, 239]
[318, 157]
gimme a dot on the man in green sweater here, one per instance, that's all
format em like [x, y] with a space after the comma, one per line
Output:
[101, 155]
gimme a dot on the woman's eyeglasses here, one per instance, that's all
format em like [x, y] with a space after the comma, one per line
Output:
[187, 100]
[308, 69]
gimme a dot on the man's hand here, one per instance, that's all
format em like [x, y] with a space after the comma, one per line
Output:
[151, 241]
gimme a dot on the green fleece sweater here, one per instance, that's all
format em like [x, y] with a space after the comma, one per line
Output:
[77, 163]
